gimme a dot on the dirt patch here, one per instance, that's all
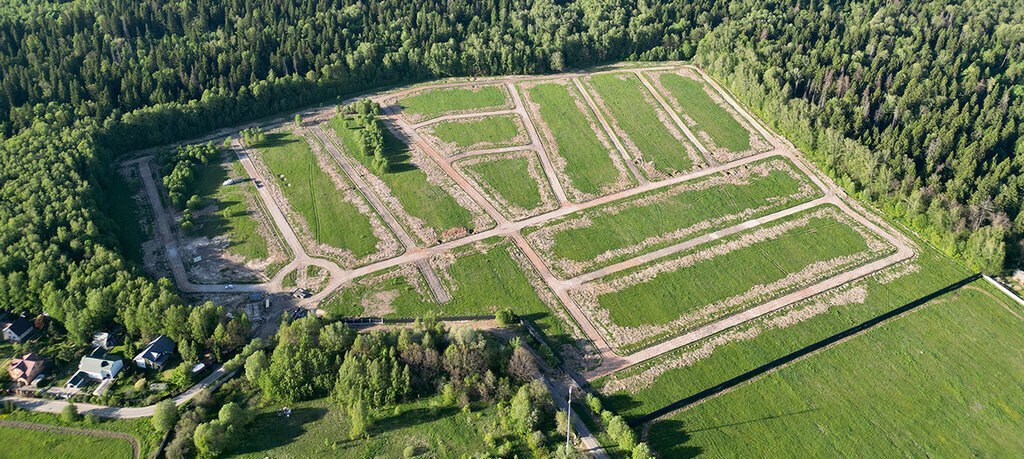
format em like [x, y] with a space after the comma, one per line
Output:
[448, 149]
[586, 296]
[543, 240]
[558, 161]
[513, 212]
[757, 143]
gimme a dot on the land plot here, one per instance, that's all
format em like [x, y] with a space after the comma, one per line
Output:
[726, 134]
[642, 125]
[415, 189]
[435, 102]
[480, 278]
[940, 381]
[33, 443]
[583, 156]
[614, 232]
[643, 305]
[234, 237]
[326, 210]
[467, 134]
[514, 182]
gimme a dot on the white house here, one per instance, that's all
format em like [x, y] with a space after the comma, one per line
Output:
[17, 330]
[95, 368]
[156, 353]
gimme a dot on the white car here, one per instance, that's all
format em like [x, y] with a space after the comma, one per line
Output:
[229, 287]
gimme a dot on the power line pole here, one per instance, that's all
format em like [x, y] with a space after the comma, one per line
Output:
[568, 421]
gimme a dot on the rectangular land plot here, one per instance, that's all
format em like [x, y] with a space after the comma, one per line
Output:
[587, 164]
[432, 103]
[35, 443]
[513, 181]
[481, 279]
[479, 133]
[642, 125]
[418, 192]
[699, 286]
[610, 233]
[235, 212]
[328, 208]
[715, 123]
[940, 381]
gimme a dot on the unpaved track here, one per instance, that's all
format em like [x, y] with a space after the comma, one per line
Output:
[610, 361]
[640, 178]
[75, 431]
[325, 139]
[675, 117]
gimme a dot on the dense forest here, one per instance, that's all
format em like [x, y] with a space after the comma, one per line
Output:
[914, 105]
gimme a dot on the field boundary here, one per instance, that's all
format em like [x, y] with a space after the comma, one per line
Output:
[794, 356]
[76, 431]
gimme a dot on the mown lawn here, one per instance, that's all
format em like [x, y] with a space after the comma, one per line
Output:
[493, 131]
[737, 357]
[588, 165]
[233, 217]
[671, 294]
[421, 199]
[511, 179]
[623, 94]
[436, 102]
[723, 129]
[942, 381]
[633, 225]
[313, 194]
[319, 428]
[25, 443]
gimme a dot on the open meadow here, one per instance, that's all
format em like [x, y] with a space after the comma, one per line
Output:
[432, 103]
[931, 383]
[478, 133]
[513, 181]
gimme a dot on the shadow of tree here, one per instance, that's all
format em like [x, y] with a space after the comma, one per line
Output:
[668, 438]
[269, 431]
[409, 418]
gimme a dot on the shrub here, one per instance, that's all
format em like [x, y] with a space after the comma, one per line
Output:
[70, 413]
[594, 403]
[409, 451]
[506, 317]
[165, 415]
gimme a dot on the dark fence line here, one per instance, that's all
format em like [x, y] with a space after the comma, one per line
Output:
[711, 391]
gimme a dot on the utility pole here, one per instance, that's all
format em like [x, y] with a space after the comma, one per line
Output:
[568, 421]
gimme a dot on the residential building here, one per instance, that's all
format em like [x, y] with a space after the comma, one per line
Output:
[156, 353]
[18, 330]
[25, 369]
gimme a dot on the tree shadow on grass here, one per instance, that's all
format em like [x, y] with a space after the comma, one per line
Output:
[269, 431]
[276, 139]
[668, 438]
[413, 417]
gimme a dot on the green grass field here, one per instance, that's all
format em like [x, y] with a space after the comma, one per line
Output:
[623, 94]
[736, 357]
[942, 381]
[634, 225]
[492, 131]
[436, 102]
[481, 283]
[141, 429]
[24, 443]
[588, 165]
[723, 129]
[510, 178]
[313, 194]
[421, 199]
[319, 429]
[233, 217]
[671, 294]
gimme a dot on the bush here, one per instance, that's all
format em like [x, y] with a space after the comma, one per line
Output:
[70, 413]
[91, 419]
[165, 415]
[506, 317]
[409, 451]
[594, 403]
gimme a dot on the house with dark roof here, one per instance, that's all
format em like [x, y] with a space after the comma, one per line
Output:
[156, 353]
[17, 330]
[95, 367]
[25, 369]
